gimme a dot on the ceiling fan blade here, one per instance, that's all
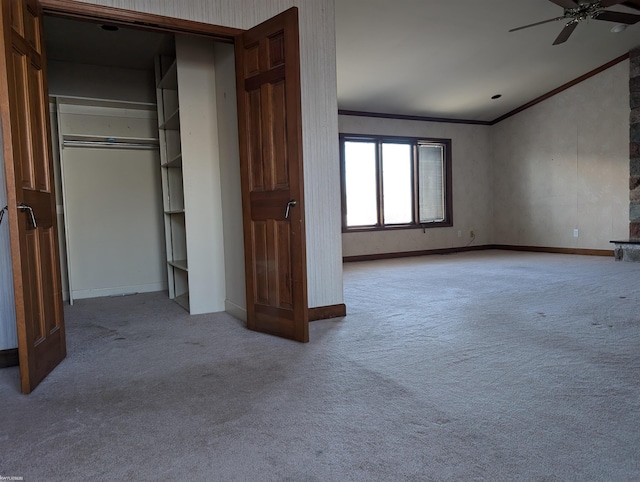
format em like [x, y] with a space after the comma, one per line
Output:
[610, 3]
[566, 33]
[565, 3]
[537, 23]
[618, 17]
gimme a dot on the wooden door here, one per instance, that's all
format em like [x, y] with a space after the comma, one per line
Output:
[270, 132]
[30, 192]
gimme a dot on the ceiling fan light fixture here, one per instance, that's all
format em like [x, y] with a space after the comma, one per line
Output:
[621, 27]
[577, 11]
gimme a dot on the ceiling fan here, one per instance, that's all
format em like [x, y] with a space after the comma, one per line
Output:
[579, 10]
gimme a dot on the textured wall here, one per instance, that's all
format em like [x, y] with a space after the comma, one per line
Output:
[563, 165]
[531, 179]
[472, 181]
[634, 147]
[319, 117]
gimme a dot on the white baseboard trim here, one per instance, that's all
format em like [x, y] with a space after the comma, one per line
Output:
[235, 310]
[118, 290]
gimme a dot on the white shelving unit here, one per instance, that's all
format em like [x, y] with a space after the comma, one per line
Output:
[172, 179]
[190, 172]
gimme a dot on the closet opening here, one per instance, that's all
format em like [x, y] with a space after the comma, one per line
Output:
[144, 134]
[199, 165]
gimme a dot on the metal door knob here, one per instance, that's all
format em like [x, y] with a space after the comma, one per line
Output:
[290, 204]
[24, 207]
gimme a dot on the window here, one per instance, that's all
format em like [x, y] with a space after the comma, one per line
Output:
[395, 182]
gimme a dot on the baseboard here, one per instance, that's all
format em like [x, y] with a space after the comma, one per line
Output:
[411, 254]
[326, 312]
[317, 313]
[119, 290]
[234, 310]
[545, 249]
[9, 358]
[507, 247]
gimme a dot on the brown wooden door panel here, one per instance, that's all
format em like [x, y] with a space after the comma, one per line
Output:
[269, 159]
[276, 321]
[282, 273]
[20, 122]
[272, 256]
[270, 204]
[38, 140]
[269, 117]
[28, 165]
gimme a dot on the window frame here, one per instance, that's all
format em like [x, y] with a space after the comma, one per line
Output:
[414, 142]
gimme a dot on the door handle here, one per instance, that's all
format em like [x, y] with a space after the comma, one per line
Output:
[290, 204]
[24, 207]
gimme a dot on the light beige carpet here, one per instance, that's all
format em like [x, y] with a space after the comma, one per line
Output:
[493, 366]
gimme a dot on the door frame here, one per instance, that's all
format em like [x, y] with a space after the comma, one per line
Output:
[146, 21]
[134, 19]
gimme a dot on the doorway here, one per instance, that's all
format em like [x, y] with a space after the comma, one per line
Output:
[83, 80]
[268, 81]
[123, 224]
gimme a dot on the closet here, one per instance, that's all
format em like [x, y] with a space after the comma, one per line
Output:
[139, 172]
[146, 167]
[109, 154]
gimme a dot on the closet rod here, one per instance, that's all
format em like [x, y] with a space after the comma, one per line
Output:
[111, 145]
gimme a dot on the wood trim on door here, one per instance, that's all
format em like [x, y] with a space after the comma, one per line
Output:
[327, 312]
[272, 181]
[134, 19]
[32, 219]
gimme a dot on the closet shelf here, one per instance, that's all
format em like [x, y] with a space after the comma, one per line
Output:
[170, 78]
[85, 103]
[86, 140]
[172, 123]
[179, 263]
[173, 163]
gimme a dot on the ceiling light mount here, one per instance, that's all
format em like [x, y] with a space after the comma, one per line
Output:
[621, 27]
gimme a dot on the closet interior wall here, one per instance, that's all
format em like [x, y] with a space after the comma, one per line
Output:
[106, 157]
[110, 190]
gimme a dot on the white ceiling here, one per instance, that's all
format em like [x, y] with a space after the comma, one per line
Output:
[446, 58]
[433, 58]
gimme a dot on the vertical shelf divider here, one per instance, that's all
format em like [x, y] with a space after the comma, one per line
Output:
[172, 179]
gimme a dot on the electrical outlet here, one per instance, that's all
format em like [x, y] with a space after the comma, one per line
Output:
[459, 233]
[472, 233]
[575, 233]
